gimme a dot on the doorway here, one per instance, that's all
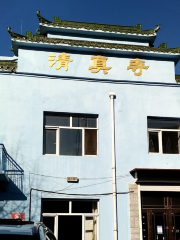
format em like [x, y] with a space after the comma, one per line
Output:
[160, 215]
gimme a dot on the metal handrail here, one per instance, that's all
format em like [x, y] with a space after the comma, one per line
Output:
[11, 160]
[10, 167]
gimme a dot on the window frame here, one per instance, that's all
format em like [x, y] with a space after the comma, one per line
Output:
[58, 129]
[159, 131]
[83, 215]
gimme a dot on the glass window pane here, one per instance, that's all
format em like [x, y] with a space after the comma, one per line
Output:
[153, 142]
[84, 207]
[164, 123]
[153, 201]
[55, 206]
[70, 227]
[50, 141]
[90, 142]
[176, 202]
[90, 228]
[49, 222]
[84, 122]
[57, 120]
[170, 141]
[71, 142]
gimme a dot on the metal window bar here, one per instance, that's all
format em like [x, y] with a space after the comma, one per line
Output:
[11, 168]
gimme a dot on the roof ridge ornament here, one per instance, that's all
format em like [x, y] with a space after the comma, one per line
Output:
[37, 32]
[163, 45]
[29, 34]
[56, 20]
[157, 28]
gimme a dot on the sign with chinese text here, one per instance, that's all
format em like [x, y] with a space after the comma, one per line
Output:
[94, 66]
[137, 66]
[99, 63]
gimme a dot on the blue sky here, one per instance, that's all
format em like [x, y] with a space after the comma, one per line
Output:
[20, 15]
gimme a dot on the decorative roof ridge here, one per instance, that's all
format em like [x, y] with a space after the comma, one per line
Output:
[8, 65]
[43, 39]
[97, 26]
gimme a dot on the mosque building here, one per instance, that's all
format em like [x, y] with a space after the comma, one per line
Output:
[90, 131]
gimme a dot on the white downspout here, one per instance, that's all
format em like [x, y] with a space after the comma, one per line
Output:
[112, 96]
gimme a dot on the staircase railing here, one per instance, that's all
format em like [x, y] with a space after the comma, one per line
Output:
[11, 168]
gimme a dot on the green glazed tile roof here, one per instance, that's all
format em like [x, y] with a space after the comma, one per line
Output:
[177, 78]
[94, 26]
[8, 65]
[79, 43]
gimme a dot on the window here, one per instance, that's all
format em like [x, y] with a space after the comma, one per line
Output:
[70, 134]
[79, 221]
[164, 135]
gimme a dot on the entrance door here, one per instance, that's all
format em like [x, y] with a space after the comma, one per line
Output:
[157, 224]
[176, 224]
[161, 216]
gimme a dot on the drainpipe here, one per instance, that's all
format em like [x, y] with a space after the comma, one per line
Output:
[1, 158]
[115, 230]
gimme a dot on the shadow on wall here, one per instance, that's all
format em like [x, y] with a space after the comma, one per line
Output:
[11, 192]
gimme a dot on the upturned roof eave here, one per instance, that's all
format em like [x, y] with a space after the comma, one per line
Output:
[58, 23]
[45, 29]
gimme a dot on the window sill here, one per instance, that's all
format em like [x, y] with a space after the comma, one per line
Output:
[56, 155]
[164, 153]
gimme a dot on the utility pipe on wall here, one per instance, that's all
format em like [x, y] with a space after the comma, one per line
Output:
[115, 230]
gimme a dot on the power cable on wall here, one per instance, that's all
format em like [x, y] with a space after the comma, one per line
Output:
[95, 184]
[87, 185]
[67, 187]
[42, 175]
[70, 194]
[92, 184]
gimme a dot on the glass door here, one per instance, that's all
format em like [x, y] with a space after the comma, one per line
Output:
[154, 225]
[160, 216]
[176, 225]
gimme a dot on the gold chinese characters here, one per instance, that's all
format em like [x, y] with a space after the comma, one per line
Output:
[99, 63]
[137, 64]
[62, 59]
